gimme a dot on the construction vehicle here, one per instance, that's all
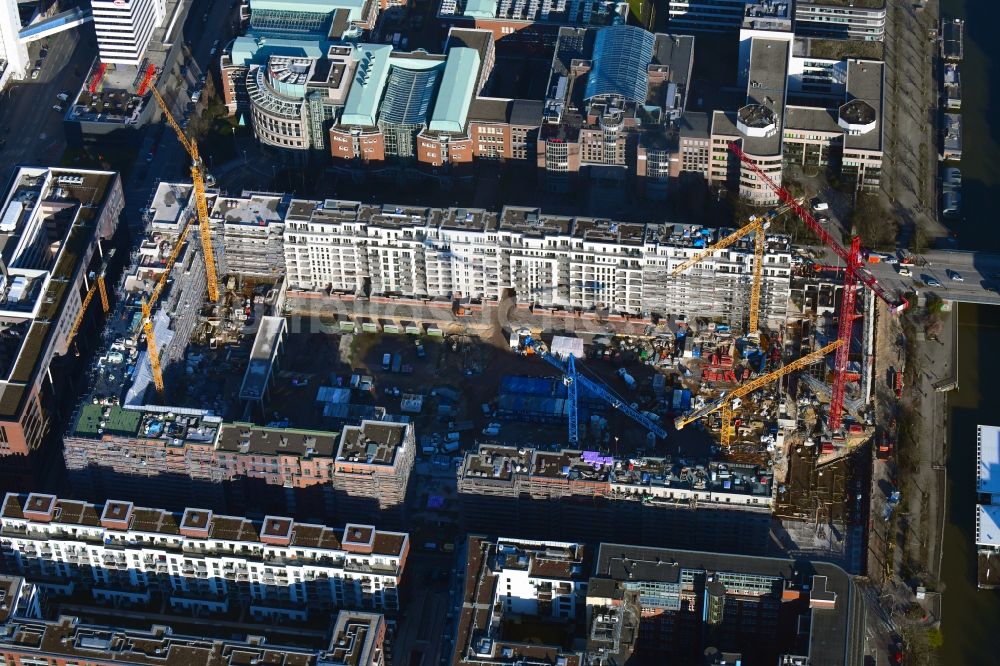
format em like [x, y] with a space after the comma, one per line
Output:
[97, 286]
[855, 271]
[757, 226]
[147, 310]
[724, 404]
[198, 176]
[572, 380]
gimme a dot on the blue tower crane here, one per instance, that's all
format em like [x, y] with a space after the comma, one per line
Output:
[571, 379]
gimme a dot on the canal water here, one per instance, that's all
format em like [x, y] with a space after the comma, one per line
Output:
[971, 616]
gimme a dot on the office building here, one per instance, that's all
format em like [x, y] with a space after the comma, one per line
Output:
[125, 27]
[651, 605]
[634, 83]
[839, 19]
[756, 126]
[988, 506]
[201, 562]
[726, 15]
[845, 134]
[799, 111]
[28, 635]
[767, 609]
[53, 221]
[548, 260]
[718, 506]
[532, 23]
[373, 465]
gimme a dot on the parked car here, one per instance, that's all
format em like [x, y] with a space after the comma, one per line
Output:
[63, 96]
[903, 270]
[931, 282]
[58, 108]
[44, 53]
[819, 205]
[956, 276]
[35, 73]
[195, 96]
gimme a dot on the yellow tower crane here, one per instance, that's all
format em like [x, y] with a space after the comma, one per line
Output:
[757, 225]
[724, 404]
[147, 310]
[198, 180]
[98, 287]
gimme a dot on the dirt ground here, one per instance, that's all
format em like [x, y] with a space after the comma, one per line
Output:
[472, 366]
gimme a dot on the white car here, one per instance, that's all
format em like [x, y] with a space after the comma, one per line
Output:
[35, 73]
[819, 205]
[905, 271]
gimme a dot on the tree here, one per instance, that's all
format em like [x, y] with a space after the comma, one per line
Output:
[869, 221]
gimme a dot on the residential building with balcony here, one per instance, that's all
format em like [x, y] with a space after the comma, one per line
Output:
[548, 260]
[372, 467]
[30, 635]
[252, 228]
[178, 457]
[565, 493]
[198, 561]
[512, 581]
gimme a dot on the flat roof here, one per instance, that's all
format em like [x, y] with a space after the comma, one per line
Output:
[836, 634]
[864, 82]
[255, 439]
[988, 455]
[987, 525]
[265, 347]
[458, 85]
[372, 442]
[219, 527]
[767, 79]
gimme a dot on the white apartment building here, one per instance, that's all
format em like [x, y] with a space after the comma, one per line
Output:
[539, 578]
[14, 59]
[124, 28]
[550, 261]
[198, 561]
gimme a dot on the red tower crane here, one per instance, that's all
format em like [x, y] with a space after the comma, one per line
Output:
[854, 272]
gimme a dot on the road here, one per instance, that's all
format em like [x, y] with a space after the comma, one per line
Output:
[171, 161]
[31, 128]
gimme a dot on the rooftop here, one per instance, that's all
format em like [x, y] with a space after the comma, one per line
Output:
[766, 88]
[205, 525]
[253, 439]
[372, 443]
[833, 630]
[988, 456]
[865, 79]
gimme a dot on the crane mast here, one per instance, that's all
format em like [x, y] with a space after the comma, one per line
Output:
[98, 287]
[198, 181]
[724, 404]
[854, 273]
[574, 380]
[757, 225]
[147, 310]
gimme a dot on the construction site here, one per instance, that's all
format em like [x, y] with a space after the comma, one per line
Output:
[724, 410]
